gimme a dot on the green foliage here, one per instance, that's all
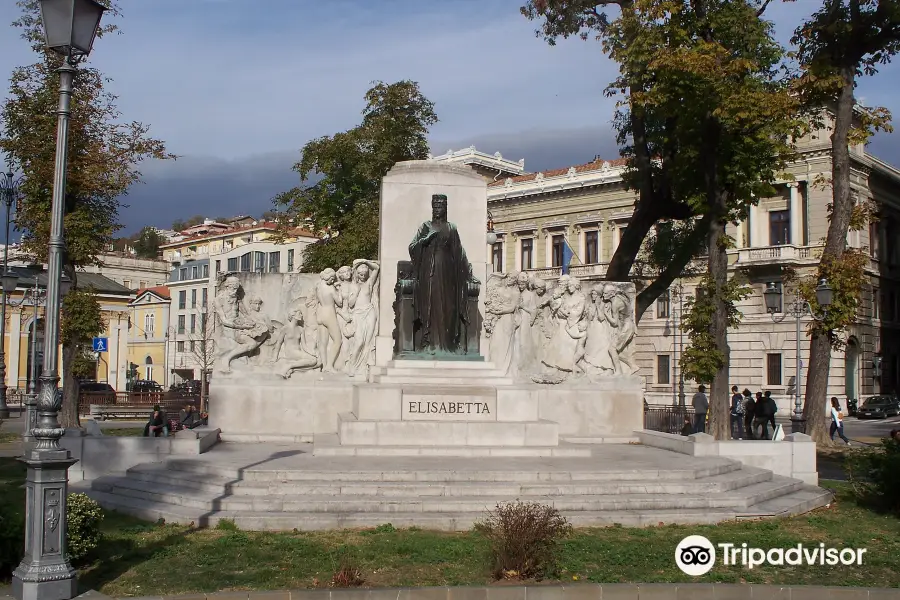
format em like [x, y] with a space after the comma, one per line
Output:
[148, 242]
[83, 519]
[84, 366]
[343, 204]
[847, 278]
[873, 475]
[702, 358]
[12, 539]
[227, 525]
[82, 318]
[524, 539]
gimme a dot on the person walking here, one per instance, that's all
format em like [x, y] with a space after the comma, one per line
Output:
[771, 410]
[701, 405]
[749, 409]
[837, 421]
[760, 418]
[737, 414]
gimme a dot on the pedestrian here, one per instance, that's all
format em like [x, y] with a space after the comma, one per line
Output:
[837, 420]
[737, 414]
[749, 409]
[701, 405]
[760, 418]
[771, 410]
[687, 429]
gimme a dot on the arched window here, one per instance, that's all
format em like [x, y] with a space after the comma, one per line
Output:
[149, 324]
[148, 367]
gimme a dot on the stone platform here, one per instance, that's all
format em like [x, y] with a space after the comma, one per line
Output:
[283, 487]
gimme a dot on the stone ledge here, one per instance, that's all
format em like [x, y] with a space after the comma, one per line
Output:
[615, 591]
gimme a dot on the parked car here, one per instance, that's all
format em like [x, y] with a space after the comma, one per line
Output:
[190, 387]
[144, 387]
[879, 407]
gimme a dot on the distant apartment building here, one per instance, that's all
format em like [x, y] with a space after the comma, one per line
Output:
[130, 271]
[587, 207]
[148, 335]
[195, 262]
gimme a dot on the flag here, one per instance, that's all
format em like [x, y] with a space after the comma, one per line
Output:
[568, 253]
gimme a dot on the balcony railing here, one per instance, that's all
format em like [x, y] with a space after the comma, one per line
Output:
[592, 270]
[779, 254]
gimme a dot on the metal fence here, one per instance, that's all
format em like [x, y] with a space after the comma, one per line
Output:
[167, 400]
[665, 418]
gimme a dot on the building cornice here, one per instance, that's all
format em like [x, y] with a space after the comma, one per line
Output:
[570, 180]
[471, 156]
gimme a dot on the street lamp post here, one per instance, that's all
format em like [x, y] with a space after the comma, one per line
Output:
[70, 27]
[678, 292]
[9, 189]
[798, 309]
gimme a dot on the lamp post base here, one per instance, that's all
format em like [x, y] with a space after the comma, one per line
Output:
[45, 572]
[798, 424]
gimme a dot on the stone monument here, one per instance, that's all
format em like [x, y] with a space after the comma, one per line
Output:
[423, 348]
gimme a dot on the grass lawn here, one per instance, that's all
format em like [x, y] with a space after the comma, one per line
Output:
[137, 558]
[8, 437]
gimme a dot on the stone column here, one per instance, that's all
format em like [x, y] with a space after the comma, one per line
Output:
[753, 227]
[600, 227]
[796, 214]
[13, 354]
[517, 252]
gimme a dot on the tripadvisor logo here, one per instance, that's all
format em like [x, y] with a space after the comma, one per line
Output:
[695, 555]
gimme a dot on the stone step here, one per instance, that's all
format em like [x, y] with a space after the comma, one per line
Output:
[354, 432]
[533, 473]
[156, 474]
[280, 521]
[446, 365]
[438, 371]
[329, 503]
[453, 451]
[804, 499]
[443, 378]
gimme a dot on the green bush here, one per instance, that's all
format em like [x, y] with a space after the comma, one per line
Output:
[524, 539]
[82, 526]
[12, 540]
[874, 477]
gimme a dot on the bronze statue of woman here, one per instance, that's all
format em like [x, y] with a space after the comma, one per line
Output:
[442, 273]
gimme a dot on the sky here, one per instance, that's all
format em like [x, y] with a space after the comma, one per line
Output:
[237, 87]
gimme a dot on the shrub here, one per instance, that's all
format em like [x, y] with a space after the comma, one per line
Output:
[524, 539]
[12, 541]
[227, 525]
[873, 475]
[82, 526]
[347, 573]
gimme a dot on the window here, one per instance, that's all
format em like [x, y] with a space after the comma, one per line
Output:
[206, 271]
[195, 272]
[218, 267]
[142, 285]
[193, 298]
[591, 247]
[773, 369]
[874, 239]
[497, 257]
[180, 323]
[290, 265]
[527, 253]
[193, 323]
[274, 262]
[557, 246]
[127, 283]
[149, 370]
[779, 227]
[191, 345]
[245, 261]
[232, 264]
[149, 324]
[662, 306]
[876, 303]
[179, 346]
[204, 296]
[182, 299]
[663, 369]
[259, 262]
[182, 274]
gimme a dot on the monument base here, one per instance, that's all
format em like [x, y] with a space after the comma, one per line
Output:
[293, 410]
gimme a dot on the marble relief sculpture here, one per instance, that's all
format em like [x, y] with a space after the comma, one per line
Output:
[325, 323]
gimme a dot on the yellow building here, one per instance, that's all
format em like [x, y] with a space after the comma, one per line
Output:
[147, 334]
[24, 342]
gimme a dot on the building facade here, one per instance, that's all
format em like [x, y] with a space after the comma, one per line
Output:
[24, 343]
[196, 262]
[148, 338]
[130, 271]
[583, 209]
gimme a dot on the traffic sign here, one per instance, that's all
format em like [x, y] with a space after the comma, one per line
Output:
[101, 344]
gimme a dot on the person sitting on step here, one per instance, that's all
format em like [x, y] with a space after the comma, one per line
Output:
[157, 425]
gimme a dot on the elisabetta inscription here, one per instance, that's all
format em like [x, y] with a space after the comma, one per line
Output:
[449, 410]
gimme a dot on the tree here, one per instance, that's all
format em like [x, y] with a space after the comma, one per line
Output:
[202, 349]
[103, 156]
[844, 40]
[343, 205]
[148, 242]
[706, 123]
[181, 225]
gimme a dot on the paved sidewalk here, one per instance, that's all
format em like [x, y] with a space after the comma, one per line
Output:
[655, 591]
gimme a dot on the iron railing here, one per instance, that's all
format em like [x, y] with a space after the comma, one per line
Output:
[665, 418]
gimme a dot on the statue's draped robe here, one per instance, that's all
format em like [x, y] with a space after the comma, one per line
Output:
[441, 270]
